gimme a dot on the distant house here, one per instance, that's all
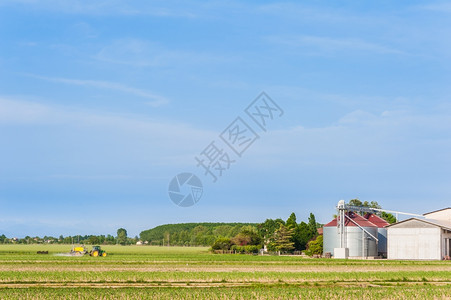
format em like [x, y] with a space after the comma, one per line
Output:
[422, 239]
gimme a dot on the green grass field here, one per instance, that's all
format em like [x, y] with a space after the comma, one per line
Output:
[143, 272]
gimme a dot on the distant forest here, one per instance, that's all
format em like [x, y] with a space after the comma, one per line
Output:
[191, 234]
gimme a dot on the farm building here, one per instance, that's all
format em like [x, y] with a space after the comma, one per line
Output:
[414, 238]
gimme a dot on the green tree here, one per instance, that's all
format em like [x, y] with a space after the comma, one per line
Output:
[184, 237]
[313, 226]
[93, 240]
[305, 235]
[373, 204]
[102, 239]
[291, 221]
[297, 237]
[355, 202]
[282, 238]
[222, 243]
[315, 246]
[247, 236]
[388, 217]
[122, 236]
[110, 240]
[223, 230]
[267, 230]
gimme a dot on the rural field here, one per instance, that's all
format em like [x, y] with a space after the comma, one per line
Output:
[144, 272]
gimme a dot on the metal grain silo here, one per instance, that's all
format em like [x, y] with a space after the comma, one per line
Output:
[331, 238]
[359, 235]
[381, 232]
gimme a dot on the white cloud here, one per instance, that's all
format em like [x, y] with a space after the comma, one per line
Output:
[389, 139]
[157, 100]
[170, 134]
[19, 112]
[142, 53]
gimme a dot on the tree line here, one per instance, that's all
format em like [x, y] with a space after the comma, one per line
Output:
[121, 238]
[191, 234]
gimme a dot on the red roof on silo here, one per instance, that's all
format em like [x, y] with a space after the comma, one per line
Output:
[355, 217]
[378, 221]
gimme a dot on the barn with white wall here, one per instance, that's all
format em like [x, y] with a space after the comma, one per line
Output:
[422, 239]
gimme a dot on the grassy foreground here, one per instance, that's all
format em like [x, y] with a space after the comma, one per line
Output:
[143, 272]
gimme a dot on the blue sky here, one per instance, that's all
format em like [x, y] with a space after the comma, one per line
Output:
[101, 104]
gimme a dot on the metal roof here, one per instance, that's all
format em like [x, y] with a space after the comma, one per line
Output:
[355, 217]
[376, 220]
[442, 224]
[431, 212]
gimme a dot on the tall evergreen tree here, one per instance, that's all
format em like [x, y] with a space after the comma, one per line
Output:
[282, 238]
[305, 235]
[312, 225]
[296, 237]
[291, 221]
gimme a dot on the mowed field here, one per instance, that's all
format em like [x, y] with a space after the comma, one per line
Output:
[143, 272]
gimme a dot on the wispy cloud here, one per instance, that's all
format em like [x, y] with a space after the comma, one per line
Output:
[389, 139]
[157, 100]
[168, 132]
[324, 45]
[443, 7]
[112, 7]
[142, 53]
[303, 12]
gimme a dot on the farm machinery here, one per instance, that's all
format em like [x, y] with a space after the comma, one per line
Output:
[97, 251]
[82, 250]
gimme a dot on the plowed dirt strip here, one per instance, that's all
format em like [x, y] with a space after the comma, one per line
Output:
[225, 268]
[306, 284]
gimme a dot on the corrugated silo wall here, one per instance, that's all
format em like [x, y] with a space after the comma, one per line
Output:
[331, 239]
[382, 236]
[354, 242]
